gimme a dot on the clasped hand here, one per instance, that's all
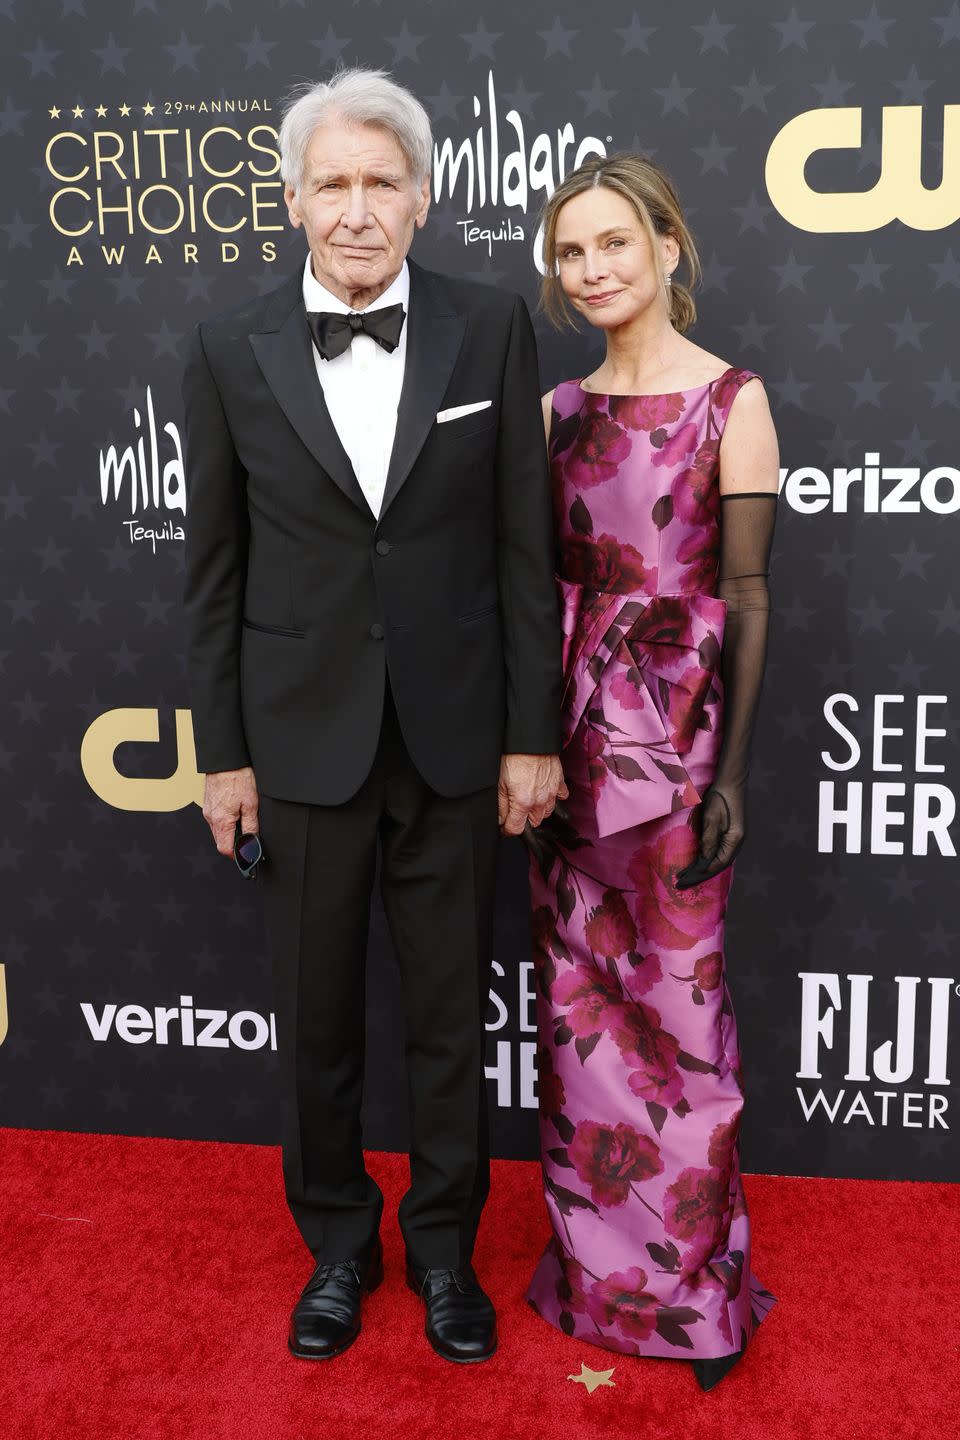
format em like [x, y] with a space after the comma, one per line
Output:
[530, 786]
[722, 824]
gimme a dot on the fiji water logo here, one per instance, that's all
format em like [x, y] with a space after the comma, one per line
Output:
[500, 165]
[143, 479]
[897, 1080]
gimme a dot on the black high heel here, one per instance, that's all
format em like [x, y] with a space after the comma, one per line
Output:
[710, 1372]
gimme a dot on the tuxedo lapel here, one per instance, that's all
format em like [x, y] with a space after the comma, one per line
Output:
[284, 352]
[434, 338]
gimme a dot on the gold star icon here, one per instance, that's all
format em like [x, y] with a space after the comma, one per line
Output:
[55, 112]
[101, 111]
[593, 1379]
[148, 109]
[124, 109]
[77, 112]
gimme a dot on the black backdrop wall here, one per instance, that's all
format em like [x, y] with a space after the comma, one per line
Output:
[818, 156]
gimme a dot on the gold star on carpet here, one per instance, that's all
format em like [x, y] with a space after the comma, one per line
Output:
[55, 112]
[148, 109]
[101, 111]
[77, 112]
[593, 1379]
[124, 109]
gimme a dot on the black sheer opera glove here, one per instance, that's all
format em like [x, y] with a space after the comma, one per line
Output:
[746, 534]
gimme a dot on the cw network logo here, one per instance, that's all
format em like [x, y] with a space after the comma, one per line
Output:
[872, 488]
[892, 1062]
[161, 795]
[899, 193]
[181, 1025]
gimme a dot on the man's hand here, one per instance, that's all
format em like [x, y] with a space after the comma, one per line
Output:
[530, 786]
[229, 796]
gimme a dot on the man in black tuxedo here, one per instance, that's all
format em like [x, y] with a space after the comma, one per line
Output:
[374, 660]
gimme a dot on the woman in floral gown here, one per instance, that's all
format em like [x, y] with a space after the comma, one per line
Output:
[665, 475]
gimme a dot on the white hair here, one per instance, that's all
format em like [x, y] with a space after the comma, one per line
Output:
[360, 97]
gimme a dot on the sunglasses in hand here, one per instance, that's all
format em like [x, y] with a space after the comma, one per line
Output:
[247, 853]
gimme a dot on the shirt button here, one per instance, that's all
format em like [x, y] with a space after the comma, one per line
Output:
[383, 547]
[376, 632]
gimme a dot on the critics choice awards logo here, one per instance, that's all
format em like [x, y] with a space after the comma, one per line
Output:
[205, 174]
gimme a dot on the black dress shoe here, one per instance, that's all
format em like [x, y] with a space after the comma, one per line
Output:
[461, 1321]
[711, 1372]
[326, 1318]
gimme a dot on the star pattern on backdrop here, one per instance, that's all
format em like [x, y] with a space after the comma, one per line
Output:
[949, 25]
[557, 40]
[873, 30]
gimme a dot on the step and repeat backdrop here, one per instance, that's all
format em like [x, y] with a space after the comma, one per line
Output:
[817, 148]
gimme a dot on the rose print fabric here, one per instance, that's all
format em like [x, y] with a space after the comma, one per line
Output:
[640, 1086]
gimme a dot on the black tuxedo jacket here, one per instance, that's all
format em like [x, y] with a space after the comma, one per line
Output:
[299, 601]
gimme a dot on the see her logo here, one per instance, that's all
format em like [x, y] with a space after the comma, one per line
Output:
[888, 817]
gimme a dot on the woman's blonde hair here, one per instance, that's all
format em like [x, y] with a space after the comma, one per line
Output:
[652, 196]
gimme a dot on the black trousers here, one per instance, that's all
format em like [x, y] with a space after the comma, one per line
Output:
[438, 862]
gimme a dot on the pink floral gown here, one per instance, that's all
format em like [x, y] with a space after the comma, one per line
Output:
[640, 1085]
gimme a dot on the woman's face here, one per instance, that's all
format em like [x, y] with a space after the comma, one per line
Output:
[605, 264]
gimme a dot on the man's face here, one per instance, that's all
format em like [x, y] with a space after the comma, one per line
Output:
[359, 206]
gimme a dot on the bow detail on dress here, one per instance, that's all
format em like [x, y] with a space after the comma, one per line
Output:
[641, 683]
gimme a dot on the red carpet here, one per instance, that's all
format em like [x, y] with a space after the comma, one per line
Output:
[147, 1284]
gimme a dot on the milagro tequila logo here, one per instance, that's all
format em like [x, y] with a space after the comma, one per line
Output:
[500, 168]
[140, 479]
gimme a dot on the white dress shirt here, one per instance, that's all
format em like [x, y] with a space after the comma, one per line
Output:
[362, 386]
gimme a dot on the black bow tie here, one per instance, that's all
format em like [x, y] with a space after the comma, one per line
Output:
[333, 333]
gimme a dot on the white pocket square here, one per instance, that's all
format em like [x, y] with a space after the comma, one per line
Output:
[458, 410]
